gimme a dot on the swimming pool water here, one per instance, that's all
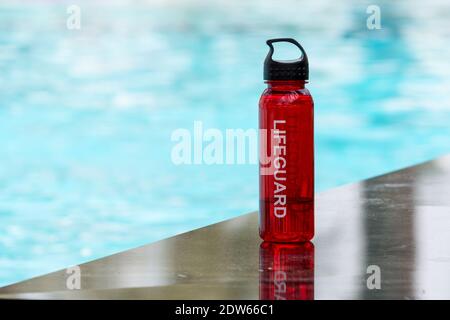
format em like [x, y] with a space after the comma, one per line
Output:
[86, 115]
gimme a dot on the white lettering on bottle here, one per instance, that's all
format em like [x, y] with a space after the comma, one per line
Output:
[279, 161]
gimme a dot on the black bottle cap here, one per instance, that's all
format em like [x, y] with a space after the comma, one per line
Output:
[297, 69]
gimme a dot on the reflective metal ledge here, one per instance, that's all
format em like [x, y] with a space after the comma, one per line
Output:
[394, 228]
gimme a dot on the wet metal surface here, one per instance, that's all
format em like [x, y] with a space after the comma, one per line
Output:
[397, 224]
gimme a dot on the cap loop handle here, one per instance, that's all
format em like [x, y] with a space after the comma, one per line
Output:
[290, 40]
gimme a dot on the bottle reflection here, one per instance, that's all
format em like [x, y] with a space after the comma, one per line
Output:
[286, 271]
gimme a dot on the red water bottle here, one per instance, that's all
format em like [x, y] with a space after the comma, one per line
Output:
[286, 174]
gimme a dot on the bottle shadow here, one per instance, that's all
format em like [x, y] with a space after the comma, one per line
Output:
[286, 271]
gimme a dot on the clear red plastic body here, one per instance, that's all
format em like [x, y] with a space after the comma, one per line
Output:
[286, 271]
[286, 114]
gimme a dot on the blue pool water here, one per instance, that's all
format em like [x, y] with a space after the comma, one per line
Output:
[86, 115]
